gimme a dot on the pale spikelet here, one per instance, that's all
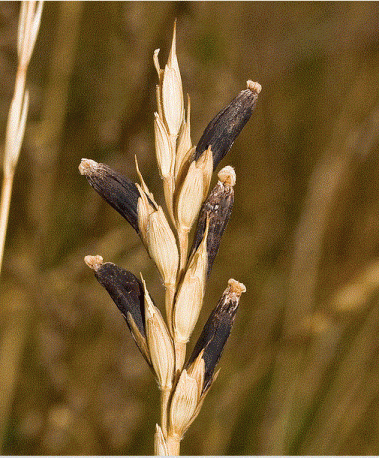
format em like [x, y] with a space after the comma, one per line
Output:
[187, 308]
[172, 100]
[172, 93]
[190, 197]
[163, 150]
[162, 246]
[183, 405]
[191, 293]
[193, 191]
[160, 447]
[159, 342]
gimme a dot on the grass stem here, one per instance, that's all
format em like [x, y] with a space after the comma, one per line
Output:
[173, 445]
[165, 396]
[6, 194]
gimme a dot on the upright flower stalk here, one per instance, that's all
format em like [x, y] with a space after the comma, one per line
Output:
[28, 26]
[186, 172]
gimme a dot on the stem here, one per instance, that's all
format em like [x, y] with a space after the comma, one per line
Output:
[173, 445]
[6, 194]
[12, 151]
[165, 396]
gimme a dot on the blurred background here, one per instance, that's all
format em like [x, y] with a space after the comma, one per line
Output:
[300, 373]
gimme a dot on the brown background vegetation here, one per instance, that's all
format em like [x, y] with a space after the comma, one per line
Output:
[300, 373]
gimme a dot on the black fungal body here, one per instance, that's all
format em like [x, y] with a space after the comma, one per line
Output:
[215, 334]
[226, 126]
[120, 192]
[126, 291]
[218, 208]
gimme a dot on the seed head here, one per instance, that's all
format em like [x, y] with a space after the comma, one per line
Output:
[217, 330]
[228, 123]
[120, 192]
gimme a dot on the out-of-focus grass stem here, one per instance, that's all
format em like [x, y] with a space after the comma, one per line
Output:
[13, 339]
[30, 18]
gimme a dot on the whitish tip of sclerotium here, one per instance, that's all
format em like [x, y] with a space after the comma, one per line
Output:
[254, 87]
[236, 287]
[87, 166]
[94, 262]
[227, 175]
